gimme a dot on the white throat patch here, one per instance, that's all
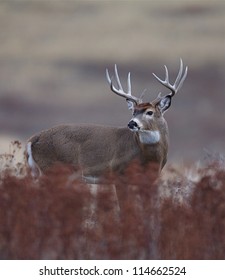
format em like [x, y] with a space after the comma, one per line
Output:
[149, 137]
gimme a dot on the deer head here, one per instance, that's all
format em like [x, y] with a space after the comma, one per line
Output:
[148, 116]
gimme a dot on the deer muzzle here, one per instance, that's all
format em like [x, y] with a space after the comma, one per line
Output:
[132, 125]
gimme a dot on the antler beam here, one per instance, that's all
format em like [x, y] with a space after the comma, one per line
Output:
[179, 80]
[120, 90]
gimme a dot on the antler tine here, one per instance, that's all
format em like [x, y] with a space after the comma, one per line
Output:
[183, 78]
[107, 76]
[178, 82]
[117, 78]
[128, 84]
[120, 90]
[114, 89]
[179, 73]
[110, 81]
[167, 74]
[161, 81]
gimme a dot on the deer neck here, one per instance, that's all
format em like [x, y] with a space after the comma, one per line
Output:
[154, 146]
[149, 137]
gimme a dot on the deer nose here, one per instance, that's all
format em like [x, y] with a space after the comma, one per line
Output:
[132, 125]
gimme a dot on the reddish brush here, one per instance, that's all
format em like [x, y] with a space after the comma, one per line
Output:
[58, 217]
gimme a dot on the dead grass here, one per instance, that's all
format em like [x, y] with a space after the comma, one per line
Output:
[60, 218]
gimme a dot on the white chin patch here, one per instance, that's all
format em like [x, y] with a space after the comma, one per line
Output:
[135, 129]
[149, 137]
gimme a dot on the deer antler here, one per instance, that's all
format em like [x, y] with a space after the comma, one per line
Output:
[179, 80]
[120, 91]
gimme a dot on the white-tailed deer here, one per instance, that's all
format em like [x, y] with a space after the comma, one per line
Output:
[97, 149]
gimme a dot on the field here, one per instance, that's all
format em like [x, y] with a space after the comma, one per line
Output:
[53, 57]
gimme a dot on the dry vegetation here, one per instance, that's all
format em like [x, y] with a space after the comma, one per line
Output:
[60, 217]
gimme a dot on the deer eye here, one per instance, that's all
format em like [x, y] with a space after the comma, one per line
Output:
[149, 113]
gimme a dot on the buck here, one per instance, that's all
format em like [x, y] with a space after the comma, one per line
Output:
[97, 149]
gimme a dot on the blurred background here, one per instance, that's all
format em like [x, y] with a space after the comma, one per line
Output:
[53, 56]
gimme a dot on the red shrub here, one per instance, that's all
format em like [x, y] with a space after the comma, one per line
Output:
[58, 217]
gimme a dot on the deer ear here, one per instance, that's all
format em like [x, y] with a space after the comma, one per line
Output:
[164, 103]
[130, 105]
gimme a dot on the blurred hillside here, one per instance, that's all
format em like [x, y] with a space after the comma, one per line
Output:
[53, 57]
